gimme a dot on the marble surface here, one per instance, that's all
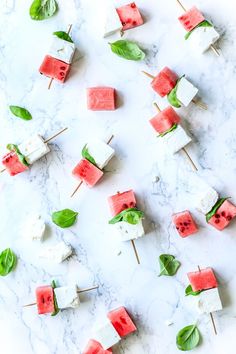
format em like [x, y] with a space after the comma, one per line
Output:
[99, 257]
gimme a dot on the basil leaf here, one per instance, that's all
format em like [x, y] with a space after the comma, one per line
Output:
[63, 35]
[188, 338]
[172, 97]
[189, 291]
[215, 208]
[127, 50]
[56, 308]
[168, 131]
[130, 215]
[8, 261]
[64, 218]
[202, 24]
[20, 112]
[43, 9]
[21, 157]
[87, 155]
[168, 265]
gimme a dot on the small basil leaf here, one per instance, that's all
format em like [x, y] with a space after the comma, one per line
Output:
[215, 208]
[188, 338]
[189, 291]
[63, 35]
[202, 24]
[130, 215]
[168, 265]
[21, 157]
[168, 131]
[20, 112]
[8, 261]
[56, 308]
[64, 218]
[127, 50]
[172, 97]
[43, 9]
[87, 155]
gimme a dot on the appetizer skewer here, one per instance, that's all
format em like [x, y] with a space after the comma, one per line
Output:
[25, 154]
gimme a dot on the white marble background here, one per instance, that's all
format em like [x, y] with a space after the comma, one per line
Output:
[99, 257]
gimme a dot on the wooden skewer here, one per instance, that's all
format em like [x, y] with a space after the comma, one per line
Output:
[135, 251]
[51, 80]
[81, 182]
[3, 170]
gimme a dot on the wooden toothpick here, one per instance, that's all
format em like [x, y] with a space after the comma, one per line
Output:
[135, 251]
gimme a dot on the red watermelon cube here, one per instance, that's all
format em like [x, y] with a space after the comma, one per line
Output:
[93, 347]
[101, 99]
[184, 223]
[121, 201]
[45, 299]
[54, 68]
[164, 82]
[13, 164]
[121, 321]
[223, 216]
[87, 172]
[191, 18]
[164, 120]
[203, 280]
[130, 16]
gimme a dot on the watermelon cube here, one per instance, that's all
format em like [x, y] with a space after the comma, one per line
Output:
[164, 120]
[130, 16]
[203, 279]
[54, 68]
[45, 299]
[93, 347]
[121, 201]
[223, 216]
[184, 223]
[191, 18]
[122, 322]
[164, 82]
[87, 172]
[12, 164]
[101, 99]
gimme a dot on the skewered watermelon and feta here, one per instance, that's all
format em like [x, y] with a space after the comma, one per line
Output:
[203, 279]
[121, 201]
[121, 321]
[164, 82]
[165, 120]
[45, 299]
[94, 347]
[105, 334]
[208, 301]
[130, 16]
[223, 213]
[184, 223]
[87, 172]
[206, 200]
[13, 163]
[101, 99]
[111, 23]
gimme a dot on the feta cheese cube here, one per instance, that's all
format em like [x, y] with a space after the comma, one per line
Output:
[62, 50]
[34, 228]
[208, 301]
[202, 38]
[57, 253]
[185, 91]
[175, 140]
[111, 21]
[34, 148]
[106, 335]
[67, 296]
[101, 152]
[206, 200]
[128, 231]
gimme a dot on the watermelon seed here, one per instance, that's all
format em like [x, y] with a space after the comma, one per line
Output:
[133, 5]
[229, 217]
[217, 216]
[217, 221]
[223, 213]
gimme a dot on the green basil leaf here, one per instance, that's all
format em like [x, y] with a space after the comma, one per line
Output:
[168, 265]
[21, 157]
[189, 291]
[86, 155]
[188, 338]
[56, 308]
[20, 112]
[215, 208]
[202, 24]
[130, 215]
[168, 131]
[43, 9]
[8, 261]
[63, 35]
[127, 50]
[172, 97]
[64, 218]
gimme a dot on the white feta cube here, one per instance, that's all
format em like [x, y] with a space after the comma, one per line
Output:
[34, 227]
[208, 301]
[101, 152]
[106, 335]
[111, 20]
[57, 253]
[67, 297]
[175, 140]
[62, 50]
[34, 148]
[202, 38]
[128, 231]
[185, 91]
[206, 200]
